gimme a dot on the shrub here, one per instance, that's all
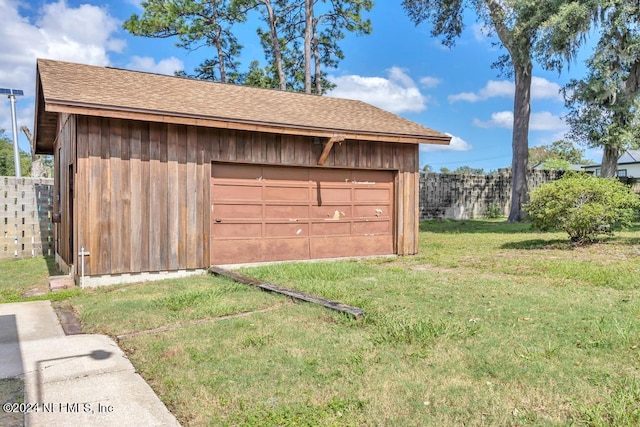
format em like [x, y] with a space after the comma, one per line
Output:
[582, 205]
[494, 211]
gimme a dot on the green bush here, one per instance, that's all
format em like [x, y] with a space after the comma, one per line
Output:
[582, 205]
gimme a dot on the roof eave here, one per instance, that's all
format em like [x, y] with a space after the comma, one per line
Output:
[62, 106]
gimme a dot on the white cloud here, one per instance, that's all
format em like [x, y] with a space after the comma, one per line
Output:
[165, 66]
[457, 144]
[544, 89]
[398, 93]
[56, 31]
[430, 82]
[480, 32]
[501, 119]
[541, 88]
[544, 121]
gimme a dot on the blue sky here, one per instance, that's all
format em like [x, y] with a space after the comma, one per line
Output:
[399, 67]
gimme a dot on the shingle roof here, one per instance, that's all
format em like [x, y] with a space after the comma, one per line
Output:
[110, 89]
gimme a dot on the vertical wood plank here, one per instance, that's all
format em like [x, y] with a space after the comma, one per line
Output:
[95, 196]
[162, 206]
[224, 145]
[205, 185]
[182, 195]
[200, 216]
[125, 194]
[287, 150]
[105, 208]
[302, 150]
[173, 208]
[387, 156]
[193, 230]
[155, 214]
[247, 143]
[146, 184]
[400, 212]
[231, 145]
[115, 162]
[138, 193]
[81, 207]
[272, 149]
[375, 155]
[340, 153]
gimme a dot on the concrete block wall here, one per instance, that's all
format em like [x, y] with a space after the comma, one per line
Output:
[26, 205]
[456, 196]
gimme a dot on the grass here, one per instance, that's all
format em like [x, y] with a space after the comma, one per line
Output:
[27, 280]
[491, 324]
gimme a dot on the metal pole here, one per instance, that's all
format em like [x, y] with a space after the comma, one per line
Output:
[16, 150]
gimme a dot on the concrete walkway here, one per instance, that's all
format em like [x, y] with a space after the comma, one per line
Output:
[75, 380]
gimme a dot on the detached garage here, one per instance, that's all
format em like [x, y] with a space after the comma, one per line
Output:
[159, 175]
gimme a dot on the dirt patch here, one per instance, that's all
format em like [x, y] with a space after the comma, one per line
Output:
[68, 318]
[11, 391]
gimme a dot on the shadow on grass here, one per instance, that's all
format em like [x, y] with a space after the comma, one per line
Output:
[537, 244]
[52, 267]
[449, 226]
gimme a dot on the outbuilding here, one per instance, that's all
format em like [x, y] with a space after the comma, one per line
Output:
[158, 175]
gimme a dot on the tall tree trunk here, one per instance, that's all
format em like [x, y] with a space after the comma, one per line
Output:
[609, 162]
[308, 35]
[277, 53]
[316, 57]
[220, 49]
[520, 141]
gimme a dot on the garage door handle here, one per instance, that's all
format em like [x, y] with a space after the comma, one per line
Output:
[218, 220]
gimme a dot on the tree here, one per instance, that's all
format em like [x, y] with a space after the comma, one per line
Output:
[604, 106]
[525, 28]
[196, 24]
[445, 169]
[427, 169]
[561, 150]
[468, 170]
[582, 205]
[326, 31]
[7, 163]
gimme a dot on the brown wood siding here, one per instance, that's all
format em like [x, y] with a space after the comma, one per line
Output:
[65, 147]
[143, 189]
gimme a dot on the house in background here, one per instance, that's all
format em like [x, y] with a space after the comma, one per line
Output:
[158, 176]
[628, 165]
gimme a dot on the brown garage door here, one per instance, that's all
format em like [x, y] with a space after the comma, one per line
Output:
[268, 213]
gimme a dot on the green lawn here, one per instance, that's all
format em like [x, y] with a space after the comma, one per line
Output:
[492, 324]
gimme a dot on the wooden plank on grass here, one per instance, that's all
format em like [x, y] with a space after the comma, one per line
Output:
[333, 305]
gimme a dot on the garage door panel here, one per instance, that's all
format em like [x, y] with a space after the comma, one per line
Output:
[332, 247]
[333, 194]
[248, 172]
[236, 251]
[285, 175]
[333, 211]
[286, 230]
[330, 228]
[269, 213]
[370, 176]
[373, 211]
[372, 194]
[289, 212]
[235, 231]
[371, 227]
[285, 249]
[236, 211]
[236, 192]
[274, 194]
[330, 175]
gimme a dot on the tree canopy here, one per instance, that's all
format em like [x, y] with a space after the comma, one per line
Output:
[604, 106]
[527, 29]
[557, 155]
[7, 164]
[300, 38]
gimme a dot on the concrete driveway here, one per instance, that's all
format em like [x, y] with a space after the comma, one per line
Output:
[75, 380]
